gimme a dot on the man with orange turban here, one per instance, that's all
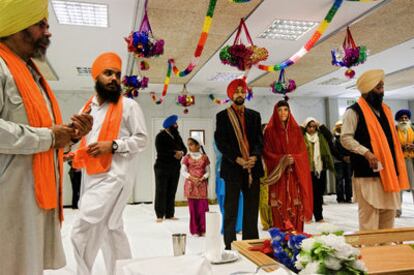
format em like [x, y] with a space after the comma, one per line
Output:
[368, 131]
[105, 157]
[32, 137]
[239, 138]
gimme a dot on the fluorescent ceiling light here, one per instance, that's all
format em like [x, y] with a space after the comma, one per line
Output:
[81, 13]
[225, 76]
[287, 29]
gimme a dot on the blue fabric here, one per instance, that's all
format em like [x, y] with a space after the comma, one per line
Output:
[220, 193]
[169, 121]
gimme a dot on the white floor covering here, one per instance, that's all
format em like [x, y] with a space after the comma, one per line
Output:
[149, 239]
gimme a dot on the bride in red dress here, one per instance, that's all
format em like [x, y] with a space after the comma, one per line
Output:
[286, 159]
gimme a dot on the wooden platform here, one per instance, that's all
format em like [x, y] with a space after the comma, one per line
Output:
[380, 259]
[257, 257]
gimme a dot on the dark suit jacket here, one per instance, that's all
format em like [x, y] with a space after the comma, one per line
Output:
[166, 147]
[226, 142]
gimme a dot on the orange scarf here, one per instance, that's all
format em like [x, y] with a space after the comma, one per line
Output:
[38, 116]
[109, 131]
[389, 178]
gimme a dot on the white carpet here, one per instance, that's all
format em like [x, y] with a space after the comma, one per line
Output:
[148, 238]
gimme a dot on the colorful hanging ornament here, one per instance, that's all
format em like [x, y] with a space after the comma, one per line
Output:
[185, 99]
[196, 58]
[241, 56]
[283, 85]
[142, 42]
[133, 84]
[350, 55]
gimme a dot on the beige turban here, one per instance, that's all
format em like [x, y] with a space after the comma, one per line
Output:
[368, 80]
[17, 15]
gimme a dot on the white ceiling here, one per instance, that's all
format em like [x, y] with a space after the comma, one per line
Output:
[74, 46]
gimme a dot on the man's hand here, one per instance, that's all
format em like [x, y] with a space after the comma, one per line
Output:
[99, 148]
[63, 135]
[372, 159]
[178, 154]
[240, 161]
[82, 124]
[251, 162]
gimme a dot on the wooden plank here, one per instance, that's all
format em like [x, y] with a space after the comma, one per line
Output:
[257, 257]
[391, 259]
[382, 236]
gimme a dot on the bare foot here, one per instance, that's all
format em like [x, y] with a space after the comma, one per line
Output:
[172, 218]
[321, 221]
[158, 220]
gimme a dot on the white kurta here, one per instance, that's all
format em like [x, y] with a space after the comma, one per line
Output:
[29, 236]
[104, 195]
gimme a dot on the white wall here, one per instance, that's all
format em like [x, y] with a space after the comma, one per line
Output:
[71, 102]
[204, 109]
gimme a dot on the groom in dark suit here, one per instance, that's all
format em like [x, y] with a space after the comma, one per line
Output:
[239, 138]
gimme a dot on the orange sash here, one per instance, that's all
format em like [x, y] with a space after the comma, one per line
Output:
[389, 178]
[109, 131]
[38, 116]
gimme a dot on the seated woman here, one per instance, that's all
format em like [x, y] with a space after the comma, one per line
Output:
[286, 159]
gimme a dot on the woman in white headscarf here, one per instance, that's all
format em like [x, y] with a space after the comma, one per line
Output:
[320, 160]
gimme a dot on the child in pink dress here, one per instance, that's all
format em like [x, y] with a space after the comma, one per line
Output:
[195, 168]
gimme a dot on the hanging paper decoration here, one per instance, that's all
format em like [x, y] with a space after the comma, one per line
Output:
[196, 58]
[142, 42]
[133, 84]
[241, 56]
[283, 86]
[350, 55]
[185, 99]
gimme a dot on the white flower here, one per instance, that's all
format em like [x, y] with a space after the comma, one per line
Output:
[359, 265]
[332, 241]
[311, 268]
[307, 244]
[346, 252]
[332, 263]
[326, 228]
[302, 260]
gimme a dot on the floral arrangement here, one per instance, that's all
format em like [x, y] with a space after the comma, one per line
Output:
[325, 254]
[241, 56]
[351, 55]
[283, 85]
[132, 84]
[286, 246]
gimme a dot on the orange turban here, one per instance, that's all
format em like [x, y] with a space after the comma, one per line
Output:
[231, 89]
[105, 61]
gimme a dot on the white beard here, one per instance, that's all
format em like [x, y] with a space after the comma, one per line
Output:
[404, 126]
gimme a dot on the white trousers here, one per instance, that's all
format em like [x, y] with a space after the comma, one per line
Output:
[88, 238]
